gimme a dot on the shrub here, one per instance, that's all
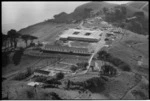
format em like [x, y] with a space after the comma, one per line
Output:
[73, 68]
[59, 76]
[40, 79]
[23, 75]
[82, 65]
[140, 94]
[52, 83]
[124, 67]
[55, 96]
[103, 55]
[109, 69]
[30, 94]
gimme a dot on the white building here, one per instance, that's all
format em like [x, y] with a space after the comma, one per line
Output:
[81, 35]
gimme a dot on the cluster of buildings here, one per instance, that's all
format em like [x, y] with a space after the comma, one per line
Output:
[80, 35]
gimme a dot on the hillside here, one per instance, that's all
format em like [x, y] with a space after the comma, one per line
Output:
[96, 6]
[138, 6]
[143, 5]
[46, 31]
[43, 30]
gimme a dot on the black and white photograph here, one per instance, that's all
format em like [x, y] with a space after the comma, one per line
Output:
[75, 50]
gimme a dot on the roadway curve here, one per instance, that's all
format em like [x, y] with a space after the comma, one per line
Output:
[100, 44]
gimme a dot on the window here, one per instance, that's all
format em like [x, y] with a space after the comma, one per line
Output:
[76, 33]
[87, 34]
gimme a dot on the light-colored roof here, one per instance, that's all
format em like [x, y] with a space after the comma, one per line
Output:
[69, 33]
[33, 83]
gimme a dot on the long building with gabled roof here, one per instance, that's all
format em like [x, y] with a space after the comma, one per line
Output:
[65, 49]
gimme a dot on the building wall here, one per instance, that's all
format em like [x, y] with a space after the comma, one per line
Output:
[70, 53]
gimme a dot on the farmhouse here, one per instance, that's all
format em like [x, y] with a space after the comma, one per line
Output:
[81, 35]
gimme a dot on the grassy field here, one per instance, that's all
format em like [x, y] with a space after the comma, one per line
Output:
[25, 62]
[129, 54]
[46, 31]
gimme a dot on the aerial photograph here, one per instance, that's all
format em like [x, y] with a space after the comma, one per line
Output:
[75, 50]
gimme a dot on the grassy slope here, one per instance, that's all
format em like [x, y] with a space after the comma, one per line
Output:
[94, 5]
[128, 54]
[25, 62]
[135, 6]
[46, 31]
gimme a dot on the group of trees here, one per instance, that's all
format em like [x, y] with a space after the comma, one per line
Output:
[103, 55]
[17, 56]
[12, 37]
[81, 65]
[118, 16]
[23, 75]
[9, 43]
[115, 14]
[75, 16]
[108, 70]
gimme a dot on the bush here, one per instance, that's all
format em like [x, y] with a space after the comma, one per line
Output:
[53, 82]
[73, 68]
[30, 94]
[82, 65]
[108, 69]
[55, 96]
[103, 55]
[23, 75]
[40, 79]
[139, 95]
[124, 67]
[59, 76]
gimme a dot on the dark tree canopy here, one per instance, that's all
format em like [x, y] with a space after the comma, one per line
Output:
[17, 56]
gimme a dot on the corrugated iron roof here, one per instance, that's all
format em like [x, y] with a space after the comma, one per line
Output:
[66, 49]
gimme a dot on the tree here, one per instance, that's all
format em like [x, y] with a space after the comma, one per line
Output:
[13, 35]
[73, 68]
[105, 10]
[26, 38]
[4, 40]
[59, 76]
[108, 69]
[124, 11]
[32, 38]
[17, 56]
[82, 65]
[87, 12]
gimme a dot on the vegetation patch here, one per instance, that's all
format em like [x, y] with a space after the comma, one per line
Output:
[30, 94]
[139, 95]
[23, 75]
[94, 84]
[103, 55]
[108, 70]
